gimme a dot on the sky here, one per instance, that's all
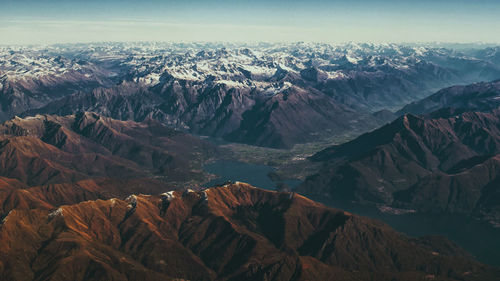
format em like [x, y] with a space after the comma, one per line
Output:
[334, 21]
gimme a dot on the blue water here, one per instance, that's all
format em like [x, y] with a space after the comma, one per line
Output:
[477, 237]
[255, 175]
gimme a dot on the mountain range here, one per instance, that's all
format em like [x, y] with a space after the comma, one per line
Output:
[86, 197]
[482, 96]
[55, 149]
[444, 161]
[103, 147]
[230, 232]
[273, 95]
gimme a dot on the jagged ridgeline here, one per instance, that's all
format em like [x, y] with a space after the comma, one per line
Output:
[57, 149]
[445, 161]
[272, 95]
[231, 232]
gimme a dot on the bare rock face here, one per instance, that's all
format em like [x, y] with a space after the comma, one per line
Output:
[231, 232]
[443, 164]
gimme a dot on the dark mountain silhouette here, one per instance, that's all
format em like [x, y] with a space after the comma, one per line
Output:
[445, 164]
[483, 96]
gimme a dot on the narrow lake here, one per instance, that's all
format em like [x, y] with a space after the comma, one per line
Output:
[478, 238]
[253, 174]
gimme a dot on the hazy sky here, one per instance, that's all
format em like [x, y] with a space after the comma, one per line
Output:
[62, 21]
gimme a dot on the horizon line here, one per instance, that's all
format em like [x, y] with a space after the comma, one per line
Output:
[251, 42]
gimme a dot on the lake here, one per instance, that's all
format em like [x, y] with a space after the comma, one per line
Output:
[479, 238]
[253, 174]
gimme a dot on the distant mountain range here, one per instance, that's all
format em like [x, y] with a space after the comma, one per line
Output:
[273, 95]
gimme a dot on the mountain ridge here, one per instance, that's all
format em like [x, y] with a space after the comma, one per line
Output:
[175, 235]
[230, 91]
[53, 149]
[436, 162]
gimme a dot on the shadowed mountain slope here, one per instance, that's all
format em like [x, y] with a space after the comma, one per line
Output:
[476, 97]
[442, 162]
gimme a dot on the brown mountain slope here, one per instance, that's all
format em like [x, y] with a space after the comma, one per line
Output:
[232, 232]
[13, 195]
[52, 149]
[17, 195]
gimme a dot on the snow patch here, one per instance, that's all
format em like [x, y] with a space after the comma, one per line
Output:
[243, 183]
[188, 191]
[336, 75]
[234, 84]
[169, 195]
[204, 195]
[132, 201]
[5, 219]
[58, 212]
